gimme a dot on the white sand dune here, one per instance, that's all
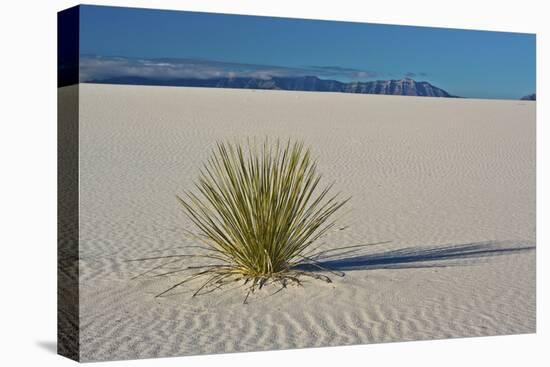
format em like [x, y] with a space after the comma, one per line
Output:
[450, 182]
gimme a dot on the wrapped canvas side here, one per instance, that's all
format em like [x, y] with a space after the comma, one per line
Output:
[67, 185]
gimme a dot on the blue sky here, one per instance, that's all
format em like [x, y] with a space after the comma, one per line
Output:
[146, 42]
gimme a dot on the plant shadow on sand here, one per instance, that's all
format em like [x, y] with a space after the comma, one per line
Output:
[357, 257]
[340, 261]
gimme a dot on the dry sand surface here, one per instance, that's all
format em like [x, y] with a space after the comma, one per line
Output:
[450, 182]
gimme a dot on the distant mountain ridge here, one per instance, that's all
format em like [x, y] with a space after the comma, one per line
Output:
[402, 87]
[529, 97]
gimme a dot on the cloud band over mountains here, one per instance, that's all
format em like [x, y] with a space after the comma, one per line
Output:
[96, 68]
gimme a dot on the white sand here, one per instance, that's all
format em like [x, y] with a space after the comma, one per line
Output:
[451, 182]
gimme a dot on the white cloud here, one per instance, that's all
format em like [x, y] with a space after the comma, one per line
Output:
[96, 68]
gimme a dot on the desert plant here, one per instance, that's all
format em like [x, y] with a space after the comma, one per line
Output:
[259, 211]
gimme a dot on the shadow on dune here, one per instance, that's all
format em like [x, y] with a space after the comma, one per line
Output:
[416, 257]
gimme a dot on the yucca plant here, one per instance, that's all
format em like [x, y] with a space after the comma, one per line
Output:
[258, 212]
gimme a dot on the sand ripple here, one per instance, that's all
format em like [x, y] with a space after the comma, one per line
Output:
[451, 183]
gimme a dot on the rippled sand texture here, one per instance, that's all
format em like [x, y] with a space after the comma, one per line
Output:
[450, 182]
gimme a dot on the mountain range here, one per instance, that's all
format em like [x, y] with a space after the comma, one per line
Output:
[529, 97]
[402, 87]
